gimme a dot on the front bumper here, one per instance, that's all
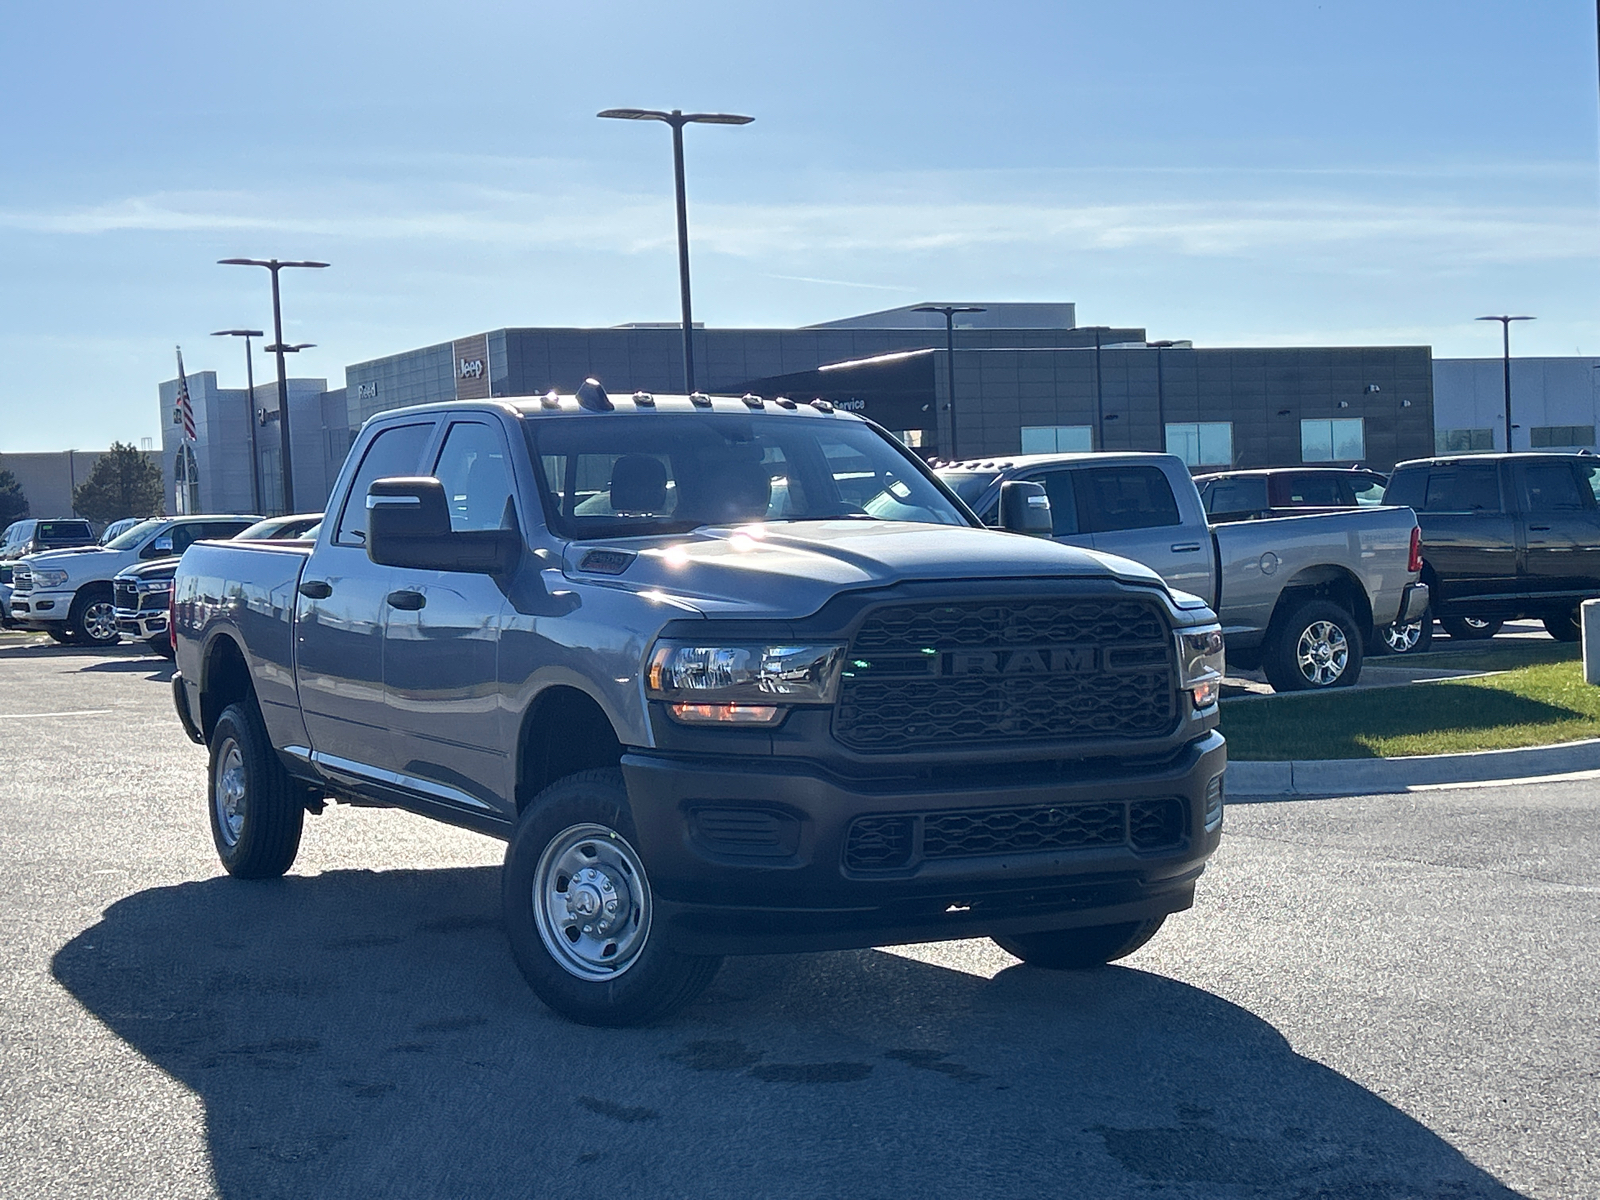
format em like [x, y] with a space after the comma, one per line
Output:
[770, 872]
[40, 610]
[141, 624]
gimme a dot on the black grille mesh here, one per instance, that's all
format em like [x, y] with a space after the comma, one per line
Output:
[899, 691]
[887, 843]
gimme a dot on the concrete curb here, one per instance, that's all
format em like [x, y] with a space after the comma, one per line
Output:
[1375, 776]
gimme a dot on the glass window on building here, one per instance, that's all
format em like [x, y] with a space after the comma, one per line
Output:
[1548, 437]
[1203, 443]
[1056, 439]
[1342, 439]
[1462, 441]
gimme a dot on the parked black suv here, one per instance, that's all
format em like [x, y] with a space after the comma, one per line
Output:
[1506, 536]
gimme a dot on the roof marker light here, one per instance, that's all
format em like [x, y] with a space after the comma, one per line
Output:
[551, 399]
[785, 402]
[644, 399]
[699, 399]
[822, 405]
[751, 400]
[593, 397]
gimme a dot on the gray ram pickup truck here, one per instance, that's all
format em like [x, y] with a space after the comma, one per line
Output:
[1300, 597]
[728, 675]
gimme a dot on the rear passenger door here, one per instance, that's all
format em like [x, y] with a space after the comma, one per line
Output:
[1131, 510]
[1562, 523]
[1469, 537]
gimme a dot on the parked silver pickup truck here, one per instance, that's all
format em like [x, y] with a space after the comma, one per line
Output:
[1300, 597]
[730, 676]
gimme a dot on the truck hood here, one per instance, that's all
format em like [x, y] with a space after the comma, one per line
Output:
[46, 557]
[792, 568]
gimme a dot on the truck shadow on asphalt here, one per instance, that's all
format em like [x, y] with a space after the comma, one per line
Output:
[156, 669]
[365, 1032]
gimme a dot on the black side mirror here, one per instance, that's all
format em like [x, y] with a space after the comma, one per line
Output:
[408, 525]
[1025, 508]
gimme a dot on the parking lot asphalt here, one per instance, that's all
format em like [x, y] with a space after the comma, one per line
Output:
[1390, 997]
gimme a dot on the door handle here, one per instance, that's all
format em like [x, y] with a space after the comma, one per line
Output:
[316, 589]
[1185, 547]
[406, 600]
[1539, 528]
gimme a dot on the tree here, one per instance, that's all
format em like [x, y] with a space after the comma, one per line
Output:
[124, 483]
[13, 504]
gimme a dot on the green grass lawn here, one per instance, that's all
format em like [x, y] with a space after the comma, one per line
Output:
[1529, 706]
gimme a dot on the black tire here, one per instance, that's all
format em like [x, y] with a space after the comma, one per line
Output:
[92, 620]
[582, 824]
[1471, 629]
[1079, 949]
[1316, 647]
[1413, 639]
[62, 637]
[161, 644]
[257, 811]
[1565, 627]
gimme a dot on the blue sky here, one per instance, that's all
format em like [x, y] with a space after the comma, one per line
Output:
[1239, 173]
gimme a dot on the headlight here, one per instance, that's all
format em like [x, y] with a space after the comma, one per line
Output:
[47, 578]
[742, 684]
[1201, 664]
[154, 585]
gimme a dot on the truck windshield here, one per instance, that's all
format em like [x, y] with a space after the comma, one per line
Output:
[135, 535]
[645, 474]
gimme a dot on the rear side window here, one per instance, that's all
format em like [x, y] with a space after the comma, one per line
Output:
[1365, 489]
[1463, 489]
[1315, 491]
[1552, 487]
[395, 451]
[1235, 497]
[56, 530]
[1113, 498]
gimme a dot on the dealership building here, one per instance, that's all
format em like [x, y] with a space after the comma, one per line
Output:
[1021, 378]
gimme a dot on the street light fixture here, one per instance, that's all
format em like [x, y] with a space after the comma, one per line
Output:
[250, 408]
[1505, 331]
[274, 265]
[950, 311]
[678, 119]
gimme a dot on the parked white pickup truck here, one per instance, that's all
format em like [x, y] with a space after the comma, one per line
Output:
[68, 593]
[1299, 597]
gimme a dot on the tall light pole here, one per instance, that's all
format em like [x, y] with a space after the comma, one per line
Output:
[678, 119]
[1505, 331]
[1161, 388]
[950, 311]
[249, 408]
[273, 265]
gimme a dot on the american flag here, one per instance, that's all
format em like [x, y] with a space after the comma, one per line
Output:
[185, 409]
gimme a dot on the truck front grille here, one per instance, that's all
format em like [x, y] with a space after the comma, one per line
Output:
[895, 842]
[124, 594]
[21, 579]
[986, 672]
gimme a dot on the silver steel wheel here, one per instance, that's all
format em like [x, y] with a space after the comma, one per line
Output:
[591, 902]
[228, 792]
[1401, 638]
[100, 620]
[1322, 653]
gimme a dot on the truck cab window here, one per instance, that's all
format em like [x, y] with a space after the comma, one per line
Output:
[1241, 496]
[1552, 487]
[477, 481]
[1063, 508]
[1463, 489]
[1113, 498]
[394, 451]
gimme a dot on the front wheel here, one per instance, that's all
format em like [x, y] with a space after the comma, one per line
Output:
[1565, 626]
[1413, 638]
[161, 644]
[256, 811]
[62, 637]
[1316, 647]
[579, 909]
[93, 619]
[1470, 629]
[1079, 949]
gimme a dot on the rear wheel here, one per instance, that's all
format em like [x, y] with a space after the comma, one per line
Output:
[1077, 949]
[93, 618]
[1470, 629]
[1316, 646]
[257, 811]
[1565, 626]
[578, 909]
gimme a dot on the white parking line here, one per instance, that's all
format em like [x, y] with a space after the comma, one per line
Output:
[77, 712]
